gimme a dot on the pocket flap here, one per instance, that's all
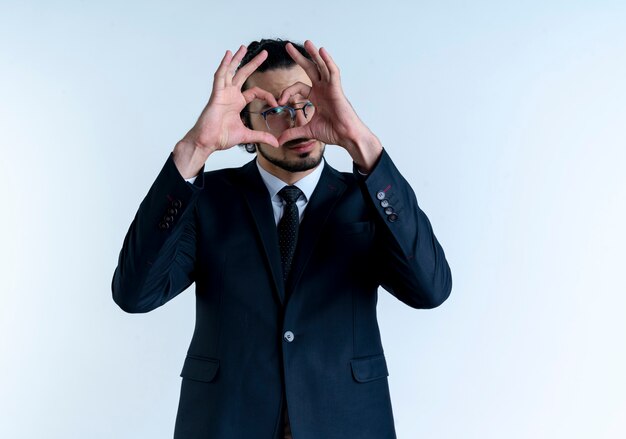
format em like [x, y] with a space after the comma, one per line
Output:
[200, 368]
[369, 369]
[351, 228]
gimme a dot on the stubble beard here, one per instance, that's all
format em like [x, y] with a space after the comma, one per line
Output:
[304, 162]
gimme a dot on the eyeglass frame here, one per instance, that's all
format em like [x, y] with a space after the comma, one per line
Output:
[292, 112]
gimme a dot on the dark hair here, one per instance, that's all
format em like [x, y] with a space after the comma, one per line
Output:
[277, 58]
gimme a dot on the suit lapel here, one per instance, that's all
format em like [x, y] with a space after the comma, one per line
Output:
[260, 205]
[326, 194]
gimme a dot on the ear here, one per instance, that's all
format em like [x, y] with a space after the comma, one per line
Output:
[251, 147]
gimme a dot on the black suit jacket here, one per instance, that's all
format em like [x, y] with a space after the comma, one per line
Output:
[220, 233]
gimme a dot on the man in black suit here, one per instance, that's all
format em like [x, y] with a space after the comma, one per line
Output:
[287, 255]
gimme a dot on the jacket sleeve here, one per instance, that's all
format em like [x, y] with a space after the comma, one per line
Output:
[411, 263]
[157, 259]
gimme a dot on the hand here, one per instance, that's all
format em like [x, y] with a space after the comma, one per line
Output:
[334, 121]
[220, 126]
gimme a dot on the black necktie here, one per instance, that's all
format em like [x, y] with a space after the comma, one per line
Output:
[288, 227]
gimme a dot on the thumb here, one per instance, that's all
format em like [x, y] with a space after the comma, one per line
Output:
[253, 136]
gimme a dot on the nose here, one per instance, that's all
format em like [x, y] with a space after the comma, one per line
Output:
[300, 119]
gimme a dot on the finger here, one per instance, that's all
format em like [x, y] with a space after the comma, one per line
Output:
[299, 88]
[244, 72]
[258, 93]
[315, 54]
[300, 132]
[253, 136]
[218, 77]
[234, 63]
[333, 69]
[309, 66]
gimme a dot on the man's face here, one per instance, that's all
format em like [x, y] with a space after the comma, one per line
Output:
[295, 155]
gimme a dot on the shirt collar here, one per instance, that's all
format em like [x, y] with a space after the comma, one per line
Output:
[305, 184]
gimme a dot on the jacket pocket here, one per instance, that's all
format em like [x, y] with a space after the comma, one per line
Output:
[369, 368]
[201, 369]
[351, 228]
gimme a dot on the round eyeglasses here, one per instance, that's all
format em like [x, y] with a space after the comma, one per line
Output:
[284, 117]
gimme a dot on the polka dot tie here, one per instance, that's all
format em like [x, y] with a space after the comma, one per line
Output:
[288, 227]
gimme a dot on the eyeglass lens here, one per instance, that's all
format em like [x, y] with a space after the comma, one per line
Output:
[282, 118]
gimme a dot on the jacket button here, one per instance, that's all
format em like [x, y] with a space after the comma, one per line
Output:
[163, 225]
[177, 204]
[168, 218]
[288, 336]
[380, 195]
[389, 210]
[392, 218]
[384, 203]
[172, 211]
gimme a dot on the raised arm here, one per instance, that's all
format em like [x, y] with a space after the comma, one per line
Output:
[157, 259]
[413, 266]
[411, 263]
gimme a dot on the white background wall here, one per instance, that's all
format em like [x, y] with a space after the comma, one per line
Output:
[507, 118]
